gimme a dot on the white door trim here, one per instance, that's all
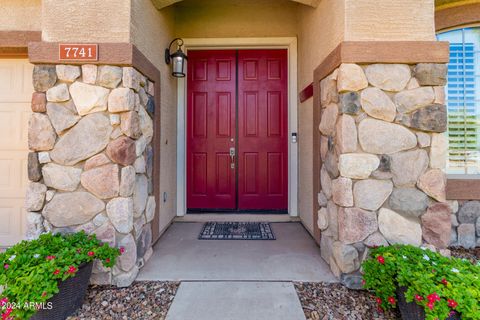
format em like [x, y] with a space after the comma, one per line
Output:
[289, 43]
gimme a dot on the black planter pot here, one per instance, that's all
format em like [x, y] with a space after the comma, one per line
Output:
[411, 310]
[69, 298]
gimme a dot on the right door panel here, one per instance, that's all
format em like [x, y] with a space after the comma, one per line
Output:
[262, 130]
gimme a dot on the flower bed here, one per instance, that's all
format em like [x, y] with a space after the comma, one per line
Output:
[441, 285]
[32, 270]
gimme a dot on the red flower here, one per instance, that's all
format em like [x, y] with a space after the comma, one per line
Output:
[381, 259]
[444, 281]
[56, 272]
[91, 253]
[72, 269]
[391, 300]
[6, 266]
[122, 250]
[363, 282]
[452, 303]
[430, 305]
[3, 301]
[418, 297]
[6, 315]
[44, 294]
[107, 260]
[379, 300]
[433, 297]
[49, 258]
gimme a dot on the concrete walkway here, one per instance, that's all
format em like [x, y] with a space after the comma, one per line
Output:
[180, 256]
[236, 301]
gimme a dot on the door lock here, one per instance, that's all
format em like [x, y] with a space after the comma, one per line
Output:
[232, 158]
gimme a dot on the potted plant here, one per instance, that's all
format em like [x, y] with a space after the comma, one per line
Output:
[47, 278]
[423, 283]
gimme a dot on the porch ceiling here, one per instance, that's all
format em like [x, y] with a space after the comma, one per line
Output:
[160, 4]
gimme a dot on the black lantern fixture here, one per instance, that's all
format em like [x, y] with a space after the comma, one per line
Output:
[177, 58]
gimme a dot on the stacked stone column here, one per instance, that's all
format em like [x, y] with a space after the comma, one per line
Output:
[91, 160]
[383, 152]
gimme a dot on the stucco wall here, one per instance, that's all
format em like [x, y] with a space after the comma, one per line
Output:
[389, 20]
[235, 18]
[86, 20]
[21, 15]
[320, 30]
[151, 32]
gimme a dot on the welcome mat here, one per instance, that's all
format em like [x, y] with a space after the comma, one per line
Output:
[236, 231]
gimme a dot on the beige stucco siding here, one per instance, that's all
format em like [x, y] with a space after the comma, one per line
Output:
[389, 20]
[86, 20]
[22, 15]
[235, 18]
[151, 32]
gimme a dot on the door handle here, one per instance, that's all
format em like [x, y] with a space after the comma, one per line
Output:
[232, 157]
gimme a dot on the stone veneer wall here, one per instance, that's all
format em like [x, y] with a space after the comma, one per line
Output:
[91, 163]
[383, 151]
[465, 224]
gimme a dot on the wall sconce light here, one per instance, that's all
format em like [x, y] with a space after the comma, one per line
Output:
[177, 58]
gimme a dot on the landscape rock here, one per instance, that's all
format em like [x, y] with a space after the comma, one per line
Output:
[346, 257]
[127, 181]
[351, 78]
[357, 165]
[326, 182]
[407, 166]
[61, 177]
[122, 151]
[58, 93]
[433, 183]
[130, 124]
[326, 247]
[127, 259]
[34, 169]
[89, 73]
[72, 208]
[44, 157]
[349, 103]
[96, 161]
[109, 76]
[412, 84]
[410, 100]
[146, 124]
[140, 165]
[87, 138]
[332, 230]
[370, 194]
[469, 212]
[346, 134]
[140, 194]
[436, 225]
[431, 74]
[466, 235]
[121, 100]
[382, 137]
[35, 196]
[322, 199]
[67, 73]
[378, 105]
[34, 225]
[432, 118]
[440, 96]
[329, 119]
[328, 89]
[354, 224]
[322, 219]
[409, 202]
[388, 77]
[106, 233]
[132, 78]
[150, 209]
[342, 192]
[89, 98]
[44, 77]
[62, 115]
[423, 139]
[41, 135]
[140, 146]
[376, 239]
[399, 229]
[438, 151]
[125, 279]
[102, 181]
[120, 212]
[331, 164]
[144, 242]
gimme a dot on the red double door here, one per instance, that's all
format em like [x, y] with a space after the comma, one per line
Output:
[237, 122]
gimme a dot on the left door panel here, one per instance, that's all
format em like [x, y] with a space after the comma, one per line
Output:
[211, 129]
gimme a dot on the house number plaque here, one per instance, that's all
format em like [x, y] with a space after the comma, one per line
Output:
[78, 52]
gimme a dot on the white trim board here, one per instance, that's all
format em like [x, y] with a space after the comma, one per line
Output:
[289, 43]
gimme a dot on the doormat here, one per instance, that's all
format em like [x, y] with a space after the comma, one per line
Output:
[236, 231]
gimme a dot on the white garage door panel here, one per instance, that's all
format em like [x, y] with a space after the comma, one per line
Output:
[15, 94]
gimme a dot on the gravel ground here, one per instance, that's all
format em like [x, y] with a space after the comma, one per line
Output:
[333, 301]
[147, 300]
[471, 254]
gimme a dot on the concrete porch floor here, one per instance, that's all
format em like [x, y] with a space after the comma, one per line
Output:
[180, 256]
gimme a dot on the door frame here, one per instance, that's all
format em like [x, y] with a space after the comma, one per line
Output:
[289, 43]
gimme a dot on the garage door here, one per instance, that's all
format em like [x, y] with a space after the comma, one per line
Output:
[15, 94]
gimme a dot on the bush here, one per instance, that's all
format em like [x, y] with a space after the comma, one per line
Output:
[437, 283]
[31, 270]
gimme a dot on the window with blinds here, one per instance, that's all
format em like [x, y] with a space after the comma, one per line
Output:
[463, 100]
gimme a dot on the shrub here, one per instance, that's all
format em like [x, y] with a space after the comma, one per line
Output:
[31, 270]
[437, 283]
